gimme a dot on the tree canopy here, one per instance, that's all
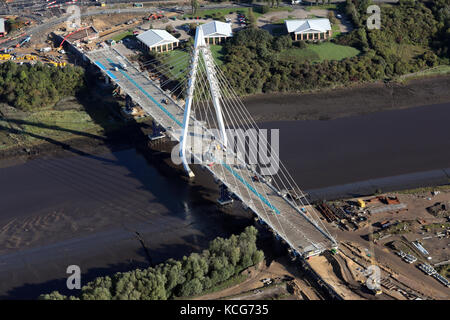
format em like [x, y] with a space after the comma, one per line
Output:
[412, 37]
[189, 276]
[39, 86]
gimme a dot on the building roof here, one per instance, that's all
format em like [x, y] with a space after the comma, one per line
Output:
[156, 37]
[308, 25]
[217, 29]
[2, 25]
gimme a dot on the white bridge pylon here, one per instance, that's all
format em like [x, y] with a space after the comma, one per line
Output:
[201, 51]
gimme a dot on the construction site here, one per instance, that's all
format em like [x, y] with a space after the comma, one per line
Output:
[401, 233]
[413, 262]
[49, 46]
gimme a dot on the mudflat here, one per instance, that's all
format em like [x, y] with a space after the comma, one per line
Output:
[339, 103]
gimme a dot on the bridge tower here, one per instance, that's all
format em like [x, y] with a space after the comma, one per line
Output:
[201, 51]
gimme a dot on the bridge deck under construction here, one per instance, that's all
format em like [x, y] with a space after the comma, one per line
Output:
[294, 226]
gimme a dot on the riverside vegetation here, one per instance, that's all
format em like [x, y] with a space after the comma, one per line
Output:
[192, 275]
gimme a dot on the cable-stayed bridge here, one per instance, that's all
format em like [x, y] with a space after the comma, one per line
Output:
[192, 100]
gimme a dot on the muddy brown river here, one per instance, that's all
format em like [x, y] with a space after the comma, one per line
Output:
[116, 211]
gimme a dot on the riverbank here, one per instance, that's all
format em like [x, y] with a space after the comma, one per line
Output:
[324, 105]
[344, 102]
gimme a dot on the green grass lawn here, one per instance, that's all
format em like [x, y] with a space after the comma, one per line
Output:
[319, 52]
[122, 35]
[178, 61]
[226, 11]
[336, 30]
[322, 6]
[331, 51]
[209, 12]
[217, 53]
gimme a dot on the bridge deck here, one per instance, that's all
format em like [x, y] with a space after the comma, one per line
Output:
[295, 227]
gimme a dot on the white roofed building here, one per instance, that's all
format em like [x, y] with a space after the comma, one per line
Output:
[158, 40]
[216, 31]
[309, 29]
[2, 27]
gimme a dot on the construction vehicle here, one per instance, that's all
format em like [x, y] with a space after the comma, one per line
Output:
[361, 203]
[155, 16]
[123, 65]
[27, 39]
[5, 56]
[27, 57]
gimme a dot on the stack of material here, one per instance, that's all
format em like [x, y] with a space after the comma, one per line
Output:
[391, 207]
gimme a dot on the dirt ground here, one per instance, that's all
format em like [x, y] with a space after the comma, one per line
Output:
[278, 268]
[323, 267]
[401, 280]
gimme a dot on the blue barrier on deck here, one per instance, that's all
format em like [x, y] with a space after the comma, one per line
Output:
[100, 65]
[251, 188]
[181, 125]
[109, 73]
[112, 75]
[149, 96]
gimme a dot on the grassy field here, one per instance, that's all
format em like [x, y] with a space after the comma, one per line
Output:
[222, 12]
[439, 70]
[67, 120]
[319, 52]
[336, 30]
[179, 60]
[49, 125]
[322, 6]
[122, 35]
[217, 53]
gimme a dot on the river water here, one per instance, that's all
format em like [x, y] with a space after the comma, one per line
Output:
[386, 150]
[116, 211]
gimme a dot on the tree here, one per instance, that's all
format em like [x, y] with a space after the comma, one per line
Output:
[190, 276]
[251, 18]
[194, 6]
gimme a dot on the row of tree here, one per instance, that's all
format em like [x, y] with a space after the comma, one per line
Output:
[39, 86]
[192, 275]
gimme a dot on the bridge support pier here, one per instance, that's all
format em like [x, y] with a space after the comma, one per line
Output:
[225, 197]
[156, 132]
